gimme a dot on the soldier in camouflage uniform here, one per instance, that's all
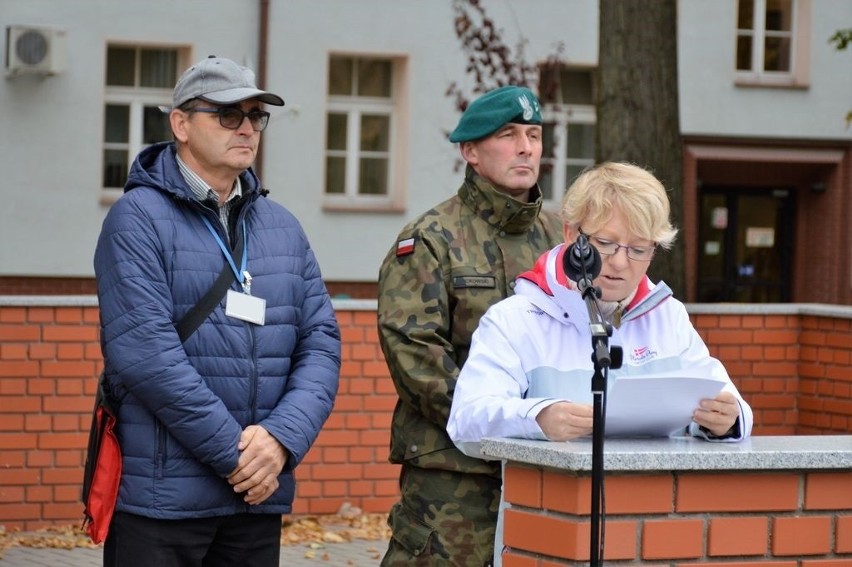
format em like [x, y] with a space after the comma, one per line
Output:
[447, 267]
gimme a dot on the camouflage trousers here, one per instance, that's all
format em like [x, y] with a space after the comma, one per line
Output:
[443, 518]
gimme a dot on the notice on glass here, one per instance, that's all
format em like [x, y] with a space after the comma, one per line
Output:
[758, 237]
[657, 405]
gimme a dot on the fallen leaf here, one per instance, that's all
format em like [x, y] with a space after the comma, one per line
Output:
[295, 530]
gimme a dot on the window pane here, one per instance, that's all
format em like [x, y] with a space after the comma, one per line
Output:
[545, 181]
[374, 78]
[375, 133]
[159, 68]
[155, 125]
[373, 177]
[572, 172]
[120, 66]
[548, 139]
[335, 175]
[744, 44]
[745, 16]
[548, 83]
[776, 54]
[581, 141]
[115, 168]
[357, 159]
[117, 124]
[779, 15]
[577, 86]
[336, 132]
[340, 76]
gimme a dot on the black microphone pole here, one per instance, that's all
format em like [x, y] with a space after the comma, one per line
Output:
[600, 356]
[581, 259]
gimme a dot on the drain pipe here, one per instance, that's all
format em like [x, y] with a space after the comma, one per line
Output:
[262, 48]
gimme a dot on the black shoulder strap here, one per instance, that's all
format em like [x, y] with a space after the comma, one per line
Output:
[199, 312]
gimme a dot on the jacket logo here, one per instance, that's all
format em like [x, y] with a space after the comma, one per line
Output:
[641, 354]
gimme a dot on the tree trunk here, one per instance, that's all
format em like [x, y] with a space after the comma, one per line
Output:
[638, 117]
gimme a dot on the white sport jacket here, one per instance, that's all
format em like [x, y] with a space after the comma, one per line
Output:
[534, 348]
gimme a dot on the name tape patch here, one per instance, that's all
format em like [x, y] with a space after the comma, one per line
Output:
[474, 281]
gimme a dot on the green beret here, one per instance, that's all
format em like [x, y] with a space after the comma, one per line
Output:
[493, 110]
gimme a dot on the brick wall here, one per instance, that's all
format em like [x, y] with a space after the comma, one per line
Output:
[795, 369]
[349, 461]
[20, 285]
[25, 285]
[735, 519]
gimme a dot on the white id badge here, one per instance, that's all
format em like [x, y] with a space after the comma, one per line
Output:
[245, 307]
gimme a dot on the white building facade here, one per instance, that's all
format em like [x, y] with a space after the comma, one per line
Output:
[361, 145]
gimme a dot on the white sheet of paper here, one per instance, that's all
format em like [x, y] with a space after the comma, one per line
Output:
[656, 405]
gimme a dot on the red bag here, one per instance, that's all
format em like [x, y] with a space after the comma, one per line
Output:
[102, 473]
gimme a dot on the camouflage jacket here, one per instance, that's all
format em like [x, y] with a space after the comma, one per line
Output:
[446, 269]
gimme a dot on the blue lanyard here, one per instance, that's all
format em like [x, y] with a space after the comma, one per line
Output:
[240, 274]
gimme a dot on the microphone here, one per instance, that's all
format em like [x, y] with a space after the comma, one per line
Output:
[582, 261]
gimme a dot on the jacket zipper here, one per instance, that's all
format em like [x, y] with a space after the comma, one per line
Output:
[161, 449]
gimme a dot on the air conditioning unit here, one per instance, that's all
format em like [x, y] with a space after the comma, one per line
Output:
[34, 49]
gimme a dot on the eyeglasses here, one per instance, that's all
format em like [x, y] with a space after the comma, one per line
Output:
[232, 117]
[610, 248]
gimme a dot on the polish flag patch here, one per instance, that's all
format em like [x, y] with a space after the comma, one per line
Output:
[404, 247]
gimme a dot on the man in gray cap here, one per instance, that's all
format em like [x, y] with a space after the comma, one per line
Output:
[213, 422]
[444, 270]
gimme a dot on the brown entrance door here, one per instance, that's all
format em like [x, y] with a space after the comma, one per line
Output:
[745, 245]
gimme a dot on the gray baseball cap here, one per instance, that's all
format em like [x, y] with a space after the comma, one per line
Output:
[220, 81]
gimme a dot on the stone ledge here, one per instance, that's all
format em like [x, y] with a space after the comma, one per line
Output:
[820, 452]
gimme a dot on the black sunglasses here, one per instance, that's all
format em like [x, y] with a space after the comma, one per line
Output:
[232, 117]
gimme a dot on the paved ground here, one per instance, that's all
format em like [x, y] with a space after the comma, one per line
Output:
[357, 553]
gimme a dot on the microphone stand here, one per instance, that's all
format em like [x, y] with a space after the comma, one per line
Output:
[601, 331]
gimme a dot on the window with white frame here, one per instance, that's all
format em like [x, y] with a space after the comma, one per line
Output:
[772, 42]
[138, 81]
[361, 127]
[568, 133]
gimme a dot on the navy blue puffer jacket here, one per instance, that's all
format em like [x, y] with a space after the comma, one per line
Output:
[182, 407]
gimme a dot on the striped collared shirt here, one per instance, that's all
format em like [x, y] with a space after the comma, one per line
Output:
[204, 192]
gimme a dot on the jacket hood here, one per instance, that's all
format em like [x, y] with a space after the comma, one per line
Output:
[156, 166]
[548, 287]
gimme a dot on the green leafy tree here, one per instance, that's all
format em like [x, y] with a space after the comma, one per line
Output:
[841, 40]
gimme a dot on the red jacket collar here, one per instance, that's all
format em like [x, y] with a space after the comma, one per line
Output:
[538, 276]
